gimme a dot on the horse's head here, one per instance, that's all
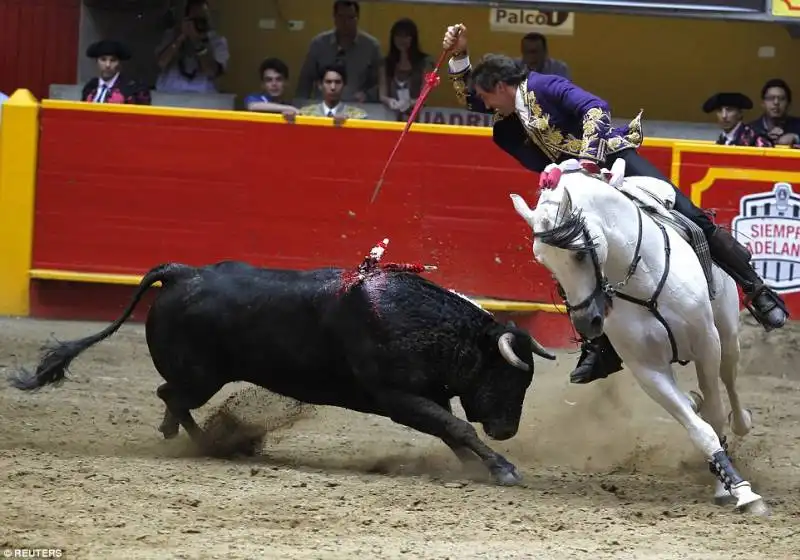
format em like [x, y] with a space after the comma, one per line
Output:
[569, 239]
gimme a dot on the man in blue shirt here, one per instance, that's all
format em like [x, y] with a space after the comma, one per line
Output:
[273, 73]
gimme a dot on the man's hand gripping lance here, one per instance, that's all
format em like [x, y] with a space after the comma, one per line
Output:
[431, 81]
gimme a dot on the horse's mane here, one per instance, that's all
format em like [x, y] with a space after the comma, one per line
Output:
[567, 233]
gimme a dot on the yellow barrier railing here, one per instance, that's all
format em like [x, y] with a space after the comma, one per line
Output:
[19, 142]
[489, 304]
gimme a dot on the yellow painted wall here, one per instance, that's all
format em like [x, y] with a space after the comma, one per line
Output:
[666, 66]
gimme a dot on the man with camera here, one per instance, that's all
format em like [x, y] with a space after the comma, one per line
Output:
[192, 55]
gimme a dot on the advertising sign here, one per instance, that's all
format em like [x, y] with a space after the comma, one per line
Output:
[768, 224]
[520, 20]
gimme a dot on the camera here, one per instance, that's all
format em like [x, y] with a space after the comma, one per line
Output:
[201, 24]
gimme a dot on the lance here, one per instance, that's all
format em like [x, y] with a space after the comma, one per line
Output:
[431, 81]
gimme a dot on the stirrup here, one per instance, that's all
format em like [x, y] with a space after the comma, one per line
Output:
[760, 315]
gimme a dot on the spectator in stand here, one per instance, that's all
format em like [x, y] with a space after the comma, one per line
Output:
[344, 45]
[402, 74]
[776, 123]
[192, 55]
[536, 57]
[332, 81]
[729, 108]
[110, 85]
[273, 73]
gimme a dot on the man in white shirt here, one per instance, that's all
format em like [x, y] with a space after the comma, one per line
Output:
[332, 81]
[192, 55]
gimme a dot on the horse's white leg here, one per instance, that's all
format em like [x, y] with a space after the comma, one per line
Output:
[740, 418]
[712, 408]
[661, 387]
[726, 316]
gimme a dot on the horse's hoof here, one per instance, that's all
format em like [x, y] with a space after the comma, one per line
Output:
[724, 500]
[743, 427]
[758, 508]
[696, 400]
[507, 476]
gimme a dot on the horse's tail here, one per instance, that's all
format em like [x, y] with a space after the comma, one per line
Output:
[57, 357]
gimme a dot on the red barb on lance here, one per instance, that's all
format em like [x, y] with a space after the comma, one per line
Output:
[431, 81]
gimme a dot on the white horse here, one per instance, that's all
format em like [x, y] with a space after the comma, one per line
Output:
[627, 275]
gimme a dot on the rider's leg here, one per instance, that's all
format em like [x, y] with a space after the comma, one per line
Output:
[598, 358]
[731, 256]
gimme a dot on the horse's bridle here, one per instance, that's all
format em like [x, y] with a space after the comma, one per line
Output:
[605, 289]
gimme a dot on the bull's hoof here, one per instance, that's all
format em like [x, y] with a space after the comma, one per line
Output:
[507, 475]
[169, 431]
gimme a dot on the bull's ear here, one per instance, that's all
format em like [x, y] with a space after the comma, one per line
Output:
[511, 325]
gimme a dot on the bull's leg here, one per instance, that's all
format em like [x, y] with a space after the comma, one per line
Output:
[169, 425]
[178, 410]
[464, 454]
[431, 418]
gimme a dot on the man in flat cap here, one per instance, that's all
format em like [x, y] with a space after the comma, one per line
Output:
[729, 107]
[110, 86]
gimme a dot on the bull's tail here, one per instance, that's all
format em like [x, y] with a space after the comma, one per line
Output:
[57, 357]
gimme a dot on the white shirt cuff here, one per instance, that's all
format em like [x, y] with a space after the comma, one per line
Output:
[459, 66]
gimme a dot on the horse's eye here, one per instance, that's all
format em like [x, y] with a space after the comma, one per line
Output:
[580, 256]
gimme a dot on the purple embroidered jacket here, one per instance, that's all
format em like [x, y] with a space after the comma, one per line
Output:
[558, 121]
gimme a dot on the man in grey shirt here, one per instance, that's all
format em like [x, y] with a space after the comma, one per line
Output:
[535, 56]
[344, 45]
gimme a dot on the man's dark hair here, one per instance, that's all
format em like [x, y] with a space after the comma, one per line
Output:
[347, 4]
[338, 68]
[778, 83]
[275, 64]
[535, 36]
[494, 69]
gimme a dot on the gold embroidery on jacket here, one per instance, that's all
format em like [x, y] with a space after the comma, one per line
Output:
[461, 90]
[550, 140]
[596, 127]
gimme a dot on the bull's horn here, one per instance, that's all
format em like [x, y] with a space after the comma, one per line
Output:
[504, 344]
[540, 350]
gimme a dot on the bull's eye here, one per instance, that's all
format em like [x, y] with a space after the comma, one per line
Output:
[580, 256]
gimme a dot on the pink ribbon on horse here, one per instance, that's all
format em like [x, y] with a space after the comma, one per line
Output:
[549, 179]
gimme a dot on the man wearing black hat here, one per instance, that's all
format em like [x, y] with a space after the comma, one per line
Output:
[110, 86]
[729, 107]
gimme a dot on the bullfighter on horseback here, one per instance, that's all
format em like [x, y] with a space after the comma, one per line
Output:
[542, 119]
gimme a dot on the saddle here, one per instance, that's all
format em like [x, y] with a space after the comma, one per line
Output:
[656, 198]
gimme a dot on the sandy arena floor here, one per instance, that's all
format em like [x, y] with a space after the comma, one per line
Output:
[607, 475]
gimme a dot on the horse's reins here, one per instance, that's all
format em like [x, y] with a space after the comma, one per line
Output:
[603, 286]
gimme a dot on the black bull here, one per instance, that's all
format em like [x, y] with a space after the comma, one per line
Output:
[395, 345]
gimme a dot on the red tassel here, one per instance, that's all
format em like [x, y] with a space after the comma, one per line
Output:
[590, 167]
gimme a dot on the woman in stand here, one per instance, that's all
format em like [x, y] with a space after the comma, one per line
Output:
[401, 78]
